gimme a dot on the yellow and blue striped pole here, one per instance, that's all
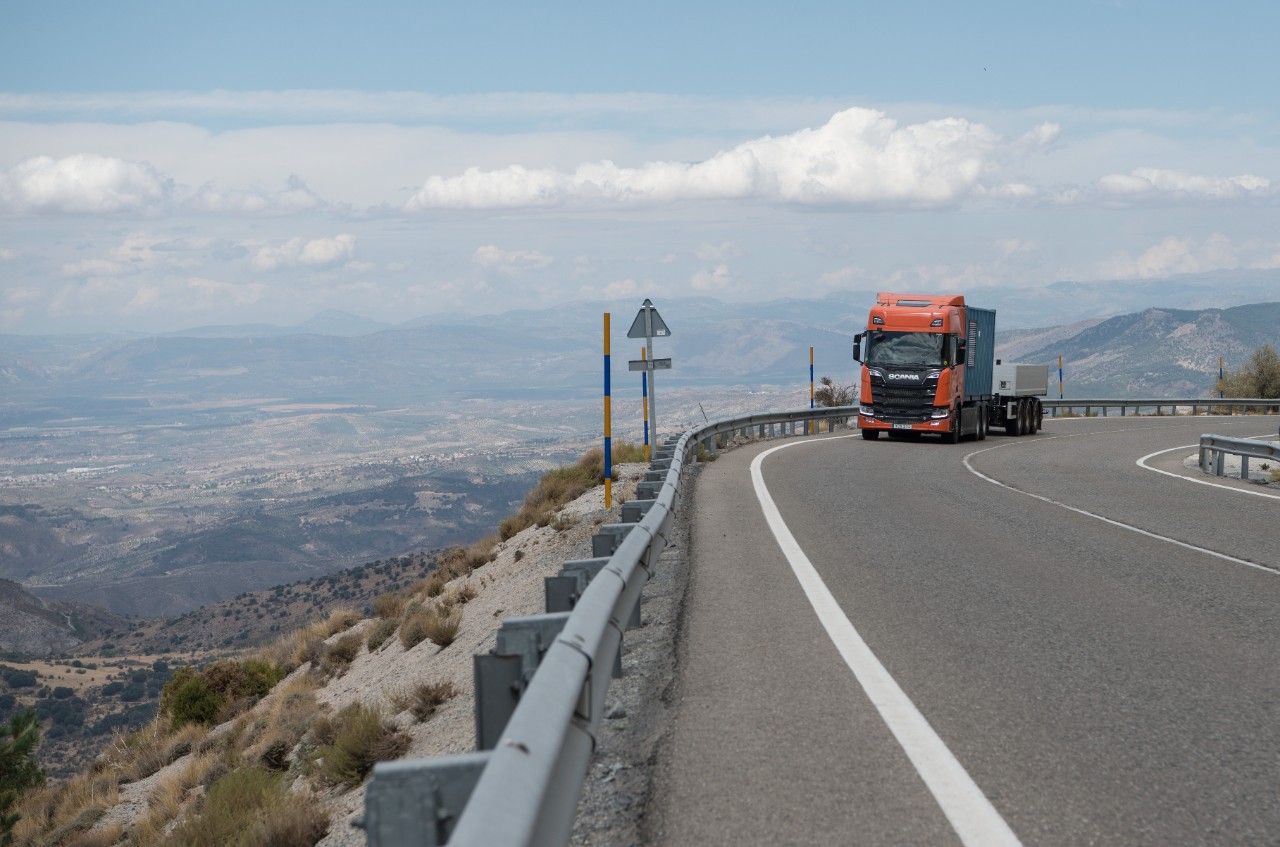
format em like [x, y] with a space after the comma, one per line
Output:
[812, 427]
[644, 401]
[1059, 377]
[1220, 395]
[608, 424]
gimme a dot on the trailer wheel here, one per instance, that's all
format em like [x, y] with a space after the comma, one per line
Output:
[982, 421]
[1039, 415]
[1012, 423]
[1033, 423]
[870, 434]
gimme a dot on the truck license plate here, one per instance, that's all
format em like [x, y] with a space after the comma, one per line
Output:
[901, 426]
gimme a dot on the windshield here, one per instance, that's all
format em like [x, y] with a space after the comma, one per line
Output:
[919, 349]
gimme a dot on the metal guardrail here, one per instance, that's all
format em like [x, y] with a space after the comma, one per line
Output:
[1232, 404]
[557, 667]
[1213, 450]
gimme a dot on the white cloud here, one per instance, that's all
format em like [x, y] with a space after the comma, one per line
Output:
[319, 253]
[83, 184]
[859, 157]
[1157, 181]
[139, 252]
[7, 255]
[716, 279]
[1173, 256]
[491, 257]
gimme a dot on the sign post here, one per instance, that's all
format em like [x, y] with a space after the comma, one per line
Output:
[649, 323]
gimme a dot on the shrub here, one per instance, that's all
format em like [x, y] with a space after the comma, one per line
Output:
[625, 453]
[423, 698]
[341, 653]
[442, 626]
[831, 393]
[413, 629]
[18, 769]
[362, 739]
[380, 632]
[389, 605]
[252, 806]
[187, 698]
[1259, 377]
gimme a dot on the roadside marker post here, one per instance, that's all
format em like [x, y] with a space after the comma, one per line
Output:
[608, 424]
[649, 323]
[1220, 394]
[644, 403]
[814, 425]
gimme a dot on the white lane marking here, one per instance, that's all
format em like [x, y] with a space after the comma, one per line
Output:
[971, 814]
[1142, 463]
[1106, 520]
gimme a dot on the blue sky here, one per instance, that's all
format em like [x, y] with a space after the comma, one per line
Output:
[172, 164]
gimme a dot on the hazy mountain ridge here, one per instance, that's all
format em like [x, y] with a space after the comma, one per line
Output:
[1159, 352]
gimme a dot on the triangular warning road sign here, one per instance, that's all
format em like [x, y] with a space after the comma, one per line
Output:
[657, 325]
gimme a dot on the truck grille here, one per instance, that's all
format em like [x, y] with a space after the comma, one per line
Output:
[907, 403]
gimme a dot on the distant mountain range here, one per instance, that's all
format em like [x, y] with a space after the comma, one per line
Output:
[557, 352]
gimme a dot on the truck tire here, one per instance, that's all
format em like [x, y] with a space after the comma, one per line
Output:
[1012, 423]
[982, 422]
[1032, 421]
[870, 434]
[1039, 416]
[952, 435]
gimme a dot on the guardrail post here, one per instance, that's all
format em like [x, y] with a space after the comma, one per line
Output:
[1220, 463]
[502, 675]
[633, 511]
[416, 802]
[1244, 468]
[608, 538]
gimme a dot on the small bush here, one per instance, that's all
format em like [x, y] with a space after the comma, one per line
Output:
[380, 632]
[362, 738]
[442, 626]
[341, 653]
[423, 698]
[253, 806]
[625, 453]
[389, 605]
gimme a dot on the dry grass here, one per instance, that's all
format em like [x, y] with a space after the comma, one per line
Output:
[251, 806]
[65, 809]
[340, 654]
[389, 605]
[423, 698]
[361, 738]
[380, 632]
[460, 595]
[442, 625]
[296, 648]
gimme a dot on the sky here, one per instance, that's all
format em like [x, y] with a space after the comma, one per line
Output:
[167, 165]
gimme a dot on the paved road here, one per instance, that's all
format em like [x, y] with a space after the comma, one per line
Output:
[1099, 685]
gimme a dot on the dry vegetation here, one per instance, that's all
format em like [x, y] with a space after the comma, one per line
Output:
[236, 756]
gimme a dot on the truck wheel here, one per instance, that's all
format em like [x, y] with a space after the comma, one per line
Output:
[870, 434]
[952, 436]
[982, 422]
[1039, 416]
[1032, 422]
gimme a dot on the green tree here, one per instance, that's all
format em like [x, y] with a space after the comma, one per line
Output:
[18, 768]
[1259, 377]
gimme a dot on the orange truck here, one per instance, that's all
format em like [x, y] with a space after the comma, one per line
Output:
[929, 366]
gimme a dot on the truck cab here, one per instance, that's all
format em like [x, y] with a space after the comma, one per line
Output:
[915, 353]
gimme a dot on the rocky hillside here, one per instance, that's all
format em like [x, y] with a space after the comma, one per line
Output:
[1153, 353]
[35, 627]
[153, 787]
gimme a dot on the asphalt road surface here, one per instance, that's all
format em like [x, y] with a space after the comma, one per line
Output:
[1093, 646]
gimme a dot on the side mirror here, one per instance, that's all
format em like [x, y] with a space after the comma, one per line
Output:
[857, 347]
[961, 350]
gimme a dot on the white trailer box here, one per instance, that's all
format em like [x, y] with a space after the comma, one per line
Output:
[1015, 380]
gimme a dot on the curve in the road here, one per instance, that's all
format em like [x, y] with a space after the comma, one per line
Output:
[1113, 522]
[1142, 463]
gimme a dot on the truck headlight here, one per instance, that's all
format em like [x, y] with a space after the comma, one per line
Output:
[865, 410]
[940, 412]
